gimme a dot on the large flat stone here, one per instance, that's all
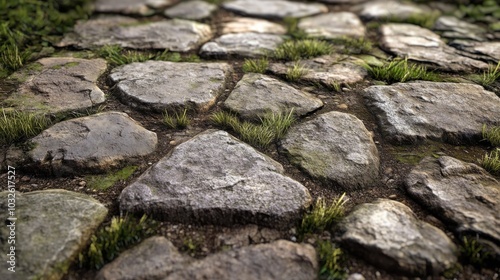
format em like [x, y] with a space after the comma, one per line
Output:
[454, 28]
[60, 84]
[464, 195]
[422, 45]
[487, 51]
[242, 44]
[388, 234]
[386, 9]
[174, 35]
[51, 229]
[94, 143]
[162, 85]
[252, 25]
[214, 178]
[132, 7]
[276, 9]
[451, 112]
[193, 10]
[335, 147]
[333, 25]
[257, 94]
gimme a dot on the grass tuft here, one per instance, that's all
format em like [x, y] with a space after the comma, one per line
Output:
[305, 48]
[117, 56]
[473, 252]
[295, 72]
[322, 216]
[401, 71]
[331, 259]
[16, 126]
[12, 59]
[492, 135]
[255, 65]
[491, 162]
[111, 240]
[104, 182]
[489, 76]
[293, 30]
[354, 45]
[179, 121]
[278, 123]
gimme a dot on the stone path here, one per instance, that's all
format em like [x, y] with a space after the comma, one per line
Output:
[351, 135]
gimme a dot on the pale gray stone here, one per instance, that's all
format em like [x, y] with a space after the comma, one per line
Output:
[194, 10]
[343, 1]
[281, 260]
[252, 25]
[333, 25]
[132, 7]
[163, 85]
[214, 178]
[242, 44]
[336, 147]
[422, 45]
[487, 51]
[153, 258]
[388, 234]
[52, 228]
[450, 112]
[384, 9]
[454, 28]
[462, 194]
[327, 70]
[61, 84]
[174, 35]
[258, 94]
[277, 9]
[94, 143]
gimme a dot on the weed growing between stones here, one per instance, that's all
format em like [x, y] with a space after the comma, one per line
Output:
[255, 65]
[488, 77]
[426, 20]
[16, 126]
[293, 30]
[117, 56]
[104, 182]
[330, 257]
[111, 240]
[304, 48]
[487, 11]
[295, 72]
[401, 71]
[492, 135]
[179, 121]
[491, 162]
[473, 252]
[354, 45]
[322, 216]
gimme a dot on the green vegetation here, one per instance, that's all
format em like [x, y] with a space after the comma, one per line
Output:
[16, 126]
[487, 11]
[354, 45]
[179, 121]
[492, 135]
[473, 252]
[117, 56]
[111, 240]
[330, 258]
[295, 72]
[103, 182]
[293, 30]
[26, 26]
[272, 127]
[401, 71]
[255, 65]
[425, 20]
[322, 216]
[491, 162]
[190, 246]
[489, 76]
[305, 48]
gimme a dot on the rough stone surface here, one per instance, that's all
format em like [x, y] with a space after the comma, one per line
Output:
[61, 84]
[242, 44]
[373, 10]
[423, 45]
[174, 35]
[252, 25]
[194, 10]
[488, 51]
[133, 7]
[154, 258]
[162, 85]
[277, 9]
[333, 25]
[462, 194]
[327, 70]
[215, 178]
[52, 227]
[278, 260]
[94, 143]
[258, 94]
[451, 112]
[334, 146]
[388, 234]
[454, 28]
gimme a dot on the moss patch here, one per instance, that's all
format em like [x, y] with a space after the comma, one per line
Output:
[104, 182]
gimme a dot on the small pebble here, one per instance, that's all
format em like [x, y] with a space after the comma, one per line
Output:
[34, 185]
[342, 106]
[82, 183]
[293, 239]
[393, 196]
[25, 179]
[172, 142]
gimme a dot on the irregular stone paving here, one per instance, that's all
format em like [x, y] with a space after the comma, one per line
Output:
[52, 227]
[173, 35]
[133, 7]
[59, 84]
[163, 85]
[461, 193]
[159, 259]
[390, 235]
[333, 25]
[326, 70]
[215, 178]
[276, 9]
[489, 51]
[252, 25]
[451, 112]
[454, 28]
[423, 45]
[194, 10]
[386, 9]
[247, 44]
[97, 143]
[258, 94]
[336, 147]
